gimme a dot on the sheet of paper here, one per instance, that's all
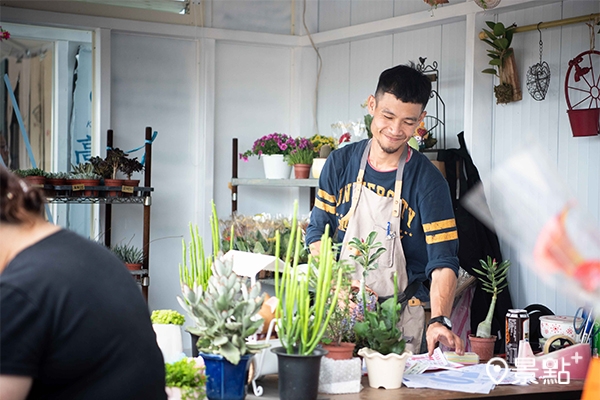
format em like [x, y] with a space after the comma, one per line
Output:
[420, 363]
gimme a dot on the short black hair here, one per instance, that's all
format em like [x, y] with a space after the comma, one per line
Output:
[406, 83]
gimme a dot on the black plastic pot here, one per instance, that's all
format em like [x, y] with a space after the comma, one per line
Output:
[298, 374]
[194, 346]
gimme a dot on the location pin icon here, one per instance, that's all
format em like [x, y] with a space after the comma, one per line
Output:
[496, 372]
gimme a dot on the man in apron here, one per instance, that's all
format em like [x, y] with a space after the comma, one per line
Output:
[382, 185]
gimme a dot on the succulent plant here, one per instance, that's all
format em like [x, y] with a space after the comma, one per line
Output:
[30, 172]
[167, 317]
[57, 175]
[101, 167]
[224, 314]
[493, 277]
[128, 254]
[83, 171]
[130, 165]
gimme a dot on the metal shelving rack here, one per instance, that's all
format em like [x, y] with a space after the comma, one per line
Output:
[140, 195]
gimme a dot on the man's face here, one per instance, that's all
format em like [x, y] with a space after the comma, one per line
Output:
[394, 122]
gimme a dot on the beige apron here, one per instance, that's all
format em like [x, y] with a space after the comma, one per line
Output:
[371, 212]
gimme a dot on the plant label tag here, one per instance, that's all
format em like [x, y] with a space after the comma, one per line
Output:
[77, 187]
[127, 189]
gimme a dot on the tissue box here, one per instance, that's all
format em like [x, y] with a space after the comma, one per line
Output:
[340, 376]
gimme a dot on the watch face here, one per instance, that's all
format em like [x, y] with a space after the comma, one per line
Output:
[447, 322]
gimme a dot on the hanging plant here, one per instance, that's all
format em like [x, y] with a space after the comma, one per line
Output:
[502, 60]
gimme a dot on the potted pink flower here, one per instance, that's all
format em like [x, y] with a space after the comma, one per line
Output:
[273, 149]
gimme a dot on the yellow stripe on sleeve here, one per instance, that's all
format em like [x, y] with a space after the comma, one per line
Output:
[439, 225]
[326, 196]
[441, 237]
[325, 207]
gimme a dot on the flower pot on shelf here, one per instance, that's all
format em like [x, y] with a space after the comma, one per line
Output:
[483, 347]
[115, 183]
[79, 191]
[130, 183]
[317, 167]
[298, 374]
[384, 371]
[276, 167]
[301, 171]
[133, 267]
[56, 182]
[225, 380]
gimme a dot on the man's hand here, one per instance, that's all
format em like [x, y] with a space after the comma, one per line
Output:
[437, 332]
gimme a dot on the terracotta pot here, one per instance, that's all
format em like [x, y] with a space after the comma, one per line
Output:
[302, 171]
[85, 192]
[133, 267]
[56, 182]
[35, 181]
[342, 352]
[113, 182]
[484, 347]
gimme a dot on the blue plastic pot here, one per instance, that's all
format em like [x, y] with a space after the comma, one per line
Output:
[225, 381]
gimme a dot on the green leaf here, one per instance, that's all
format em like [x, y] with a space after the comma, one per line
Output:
[489, 35]
[490, 71]
[491, 24]
[497, 62]
[499, 29]
[502, 43]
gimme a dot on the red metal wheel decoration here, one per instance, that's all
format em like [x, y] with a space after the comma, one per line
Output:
[582, 93]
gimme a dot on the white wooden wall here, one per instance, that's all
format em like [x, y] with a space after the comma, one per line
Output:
[200, 88]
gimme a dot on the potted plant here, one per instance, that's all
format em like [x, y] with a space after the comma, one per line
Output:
[129, 166]
[323, 146]
[167, 326]
[339, 336]
[131, 256]
[33, 176]
[83, 175]
[303, 316]
[384, 349]
[493, 278]
[224, 316]
[185, 379]
[56, 179]
[502, 60]
[272, 149]
[301, 158]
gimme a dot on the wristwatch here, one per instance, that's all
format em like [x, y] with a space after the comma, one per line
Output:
[442, 320]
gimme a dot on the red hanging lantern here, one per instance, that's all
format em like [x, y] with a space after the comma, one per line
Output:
[582, 93]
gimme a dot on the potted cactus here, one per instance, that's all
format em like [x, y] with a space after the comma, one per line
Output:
[224, 316]
[493, 277]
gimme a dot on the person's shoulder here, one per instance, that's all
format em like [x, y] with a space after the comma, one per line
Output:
[349, 151]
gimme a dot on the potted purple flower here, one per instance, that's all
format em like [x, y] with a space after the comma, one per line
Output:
[301, 158]
[273, 149]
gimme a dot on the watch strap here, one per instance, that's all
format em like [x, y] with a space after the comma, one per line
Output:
[441, 319]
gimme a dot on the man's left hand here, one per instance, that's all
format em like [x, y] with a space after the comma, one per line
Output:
[437, 332]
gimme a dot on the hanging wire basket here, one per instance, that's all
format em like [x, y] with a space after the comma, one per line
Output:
[538, 76]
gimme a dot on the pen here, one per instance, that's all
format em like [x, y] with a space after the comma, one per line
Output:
[388, 230]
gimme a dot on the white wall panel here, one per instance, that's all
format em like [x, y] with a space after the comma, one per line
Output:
[334, 14]
[154, 84]
[253, 98]
[545, 124]
[252, 15]
[333, 102]
[368, 58]
[371, 10]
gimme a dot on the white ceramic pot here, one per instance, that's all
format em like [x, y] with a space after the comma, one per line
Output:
[168, 337]
[384, 371]
[317, 167]
[275, 167]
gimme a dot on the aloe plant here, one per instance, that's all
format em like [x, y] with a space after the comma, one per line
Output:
[129, 254]
[493, 278]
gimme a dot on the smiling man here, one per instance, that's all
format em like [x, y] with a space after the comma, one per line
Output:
[382, 185]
